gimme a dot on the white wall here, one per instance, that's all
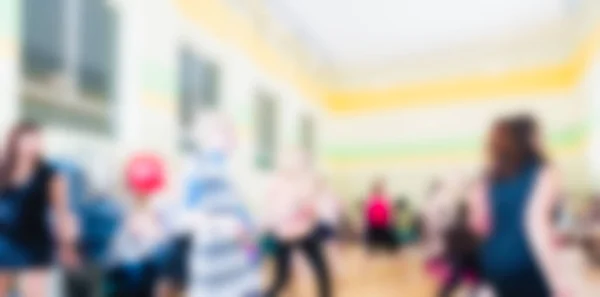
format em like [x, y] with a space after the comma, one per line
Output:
[410, 146]
[591, 89]
[451, 138]
[146, 108]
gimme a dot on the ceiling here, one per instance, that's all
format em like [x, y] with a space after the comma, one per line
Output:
[350, 34]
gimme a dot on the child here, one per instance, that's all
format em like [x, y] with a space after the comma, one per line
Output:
[133, 260]
[217, 255]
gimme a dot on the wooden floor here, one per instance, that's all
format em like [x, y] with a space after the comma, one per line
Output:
[359, 275]
[384, 275]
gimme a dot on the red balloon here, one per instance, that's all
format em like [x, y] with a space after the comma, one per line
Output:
[145, 174]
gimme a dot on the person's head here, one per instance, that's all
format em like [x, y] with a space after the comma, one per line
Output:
[24, 144]
[434, 187]
[526, 131]
[402, 203]
[214, 132]
[513, 144]
[145, 175]
[378, 187]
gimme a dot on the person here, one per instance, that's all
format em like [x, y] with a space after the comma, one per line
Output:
[134, 253]
[461, 246]
[511, 210]
[215, 251]
[438, 215]
[97, 220]
[293, 219]
[30, 191]
[405, 221]
[379, 218]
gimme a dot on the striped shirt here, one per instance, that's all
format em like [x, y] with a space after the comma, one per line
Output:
[223, 259]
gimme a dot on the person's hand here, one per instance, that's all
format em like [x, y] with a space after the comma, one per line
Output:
[563, 289]
[563, 292]
[67, 228]
[68, 256]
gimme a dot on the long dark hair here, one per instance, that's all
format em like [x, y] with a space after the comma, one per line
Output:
[526, 131]
[10, 153]
[513, 145]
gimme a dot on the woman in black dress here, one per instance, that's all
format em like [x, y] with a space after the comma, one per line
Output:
[35, 220]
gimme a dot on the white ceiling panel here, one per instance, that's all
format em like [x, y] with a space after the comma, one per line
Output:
[360, 32]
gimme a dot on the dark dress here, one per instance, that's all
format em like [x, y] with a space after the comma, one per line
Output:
[25, 236]
[507, 259]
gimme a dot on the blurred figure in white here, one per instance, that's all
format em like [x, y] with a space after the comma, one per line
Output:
[437, 215]
[293, 218]
[30, 191]
[219, 257]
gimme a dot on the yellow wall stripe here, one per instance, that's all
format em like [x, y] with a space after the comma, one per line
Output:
[561, 76]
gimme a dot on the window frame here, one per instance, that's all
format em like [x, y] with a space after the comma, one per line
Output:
[206, 93]
[266, 113]
[58, 97]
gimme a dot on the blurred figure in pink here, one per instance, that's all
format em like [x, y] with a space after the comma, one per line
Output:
[379, 219]
[293, 220]
[30, 191]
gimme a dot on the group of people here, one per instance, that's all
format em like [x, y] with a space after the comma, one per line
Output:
[497, 234]
[388, 224]
[203, 242]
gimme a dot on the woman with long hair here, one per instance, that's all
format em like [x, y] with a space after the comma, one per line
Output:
[511, 211]
[30, 190]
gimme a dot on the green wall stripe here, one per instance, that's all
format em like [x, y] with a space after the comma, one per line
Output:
[564, 138]
[159, 79]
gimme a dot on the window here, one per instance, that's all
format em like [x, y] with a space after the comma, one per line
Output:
[307, 134]
[68, 65]
[266, 129]
[199, 87]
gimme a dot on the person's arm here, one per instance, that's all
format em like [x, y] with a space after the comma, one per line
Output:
[66, 228]
[540, 230]
[479, 213]
[267, 219]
